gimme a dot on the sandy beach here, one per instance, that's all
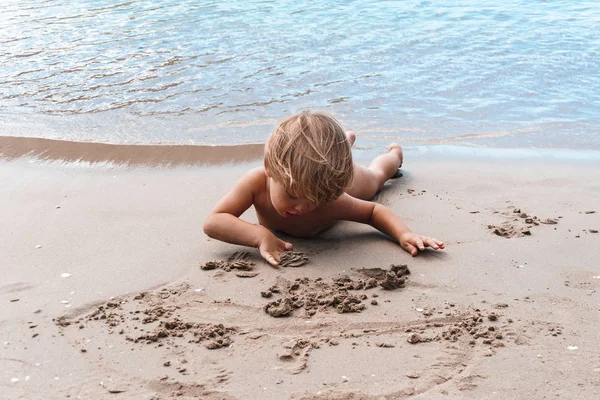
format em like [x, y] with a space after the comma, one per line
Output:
[110, 289]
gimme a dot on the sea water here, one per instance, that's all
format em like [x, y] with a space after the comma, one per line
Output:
[513, 74]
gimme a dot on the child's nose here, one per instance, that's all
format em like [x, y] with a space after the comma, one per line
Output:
[303, 207]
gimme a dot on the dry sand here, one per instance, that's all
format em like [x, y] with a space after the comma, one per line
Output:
[103, 295]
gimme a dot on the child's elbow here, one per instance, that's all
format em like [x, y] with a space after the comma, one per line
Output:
[209, 226]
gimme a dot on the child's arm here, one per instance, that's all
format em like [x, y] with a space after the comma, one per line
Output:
[382, 218]
[223, 223]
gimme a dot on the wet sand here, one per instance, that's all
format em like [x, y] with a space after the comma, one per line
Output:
[104, 296]
[125, 154]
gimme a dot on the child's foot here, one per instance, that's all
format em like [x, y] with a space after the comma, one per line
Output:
[396, 148]
[351, 137]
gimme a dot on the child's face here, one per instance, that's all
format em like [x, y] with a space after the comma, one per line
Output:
[286, 205]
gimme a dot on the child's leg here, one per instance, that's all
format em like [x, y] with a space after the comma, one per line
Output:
[368, 181]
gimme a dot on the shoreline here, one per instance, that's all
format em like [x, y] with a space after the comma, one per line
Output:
[170, 155]
[12, 148]
[107, 234]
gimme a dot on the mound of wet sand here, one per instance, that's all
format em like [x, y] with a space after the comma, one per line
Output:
[316, 295]
[519, 224]
[293, 259]
[152, 317]
[312, 296]
[471, 324]
[239, 263]
[392, 279]
[215, 336]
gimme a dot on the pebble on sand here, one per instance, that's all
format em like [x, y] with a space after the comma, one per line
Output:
[65, 275]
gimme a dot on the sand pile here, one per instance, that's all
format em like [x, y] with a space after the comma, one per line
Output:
[519, 224]
[153, 317]
[473, 325]
[239, 263]
[293, 259]
[317, 295]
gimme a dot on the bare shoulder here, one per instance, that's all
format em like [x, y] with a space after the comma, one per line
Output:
[350, 208]
[254, 179]
[243, 194]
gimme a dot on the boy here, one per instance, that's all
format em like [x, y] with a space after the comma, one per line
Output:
[307, 183]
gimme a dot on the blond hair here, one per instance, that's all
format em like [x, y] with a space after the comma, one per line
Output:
[310, 155]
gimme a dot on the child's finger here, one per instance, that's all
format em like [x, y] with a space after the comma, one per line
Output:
[439, 243]
[288, 246]
[419, 243]
[411, 249]
[270, 259]
[431, 243]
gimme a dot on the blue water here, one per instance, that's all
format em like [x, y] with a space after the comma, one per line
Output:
[480, 73]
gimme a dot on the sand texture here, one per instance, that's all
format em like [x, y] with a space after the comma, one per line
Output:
[110, 289]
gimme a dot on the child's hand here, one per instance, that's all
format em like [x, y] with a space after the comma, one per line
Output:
[271, 247]
[412, 243]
